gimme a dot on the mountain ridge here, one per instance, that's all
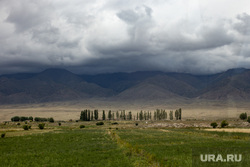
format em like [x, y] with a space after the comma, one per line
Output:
[62, 85]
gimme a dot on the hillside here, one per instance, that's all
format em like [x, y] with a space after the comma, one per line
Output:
[62, 85]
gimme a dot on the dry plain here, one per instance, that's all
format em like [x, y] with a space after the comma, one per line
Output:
[192, 110]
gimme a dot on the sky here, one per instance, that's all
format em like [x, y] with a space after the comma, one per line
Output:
[105, 36]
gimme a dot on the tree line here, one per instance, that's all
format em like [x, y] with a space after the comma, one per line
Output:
[159, 114]
[37, 119]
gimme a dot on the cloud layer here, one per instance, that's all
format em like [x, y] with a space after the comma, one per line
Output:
[97, 36]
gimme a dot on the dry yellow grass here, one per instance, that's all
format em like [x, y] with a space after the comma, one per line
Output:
[230, 130]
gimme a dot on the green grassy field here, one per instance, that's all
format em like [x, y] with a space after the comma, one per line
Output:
[110, 145]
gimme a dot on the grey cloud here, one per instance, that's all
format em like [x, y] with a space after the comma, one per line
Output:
[47, 35]
[244, 25]
[28, 14]
[95, 36]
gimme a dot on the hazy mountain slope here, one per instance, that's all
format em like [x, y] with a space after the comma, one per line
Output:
[119, 81]
[146, 91]
[173, 85]
[61, 85]
[49, 85]
[233, 84]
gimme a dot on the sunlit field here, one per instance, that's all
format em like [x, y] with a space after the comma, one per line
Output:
[121, 144]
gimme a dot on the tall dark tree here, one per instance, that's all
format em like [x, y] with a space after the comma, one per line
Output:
[103, 115]
[83, 115]
[88, 118]
[179, 113]
[171, 116]
[117, 115]
[91, 116]
[109, 115]
[130, 115]
[96, 114]
[141, 116]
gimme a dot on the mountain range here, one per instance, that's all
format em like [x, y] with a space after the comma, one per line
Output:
[62, 85]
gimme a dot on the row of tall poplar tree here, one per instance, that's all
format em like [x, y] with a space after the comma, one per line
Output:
[88, 115]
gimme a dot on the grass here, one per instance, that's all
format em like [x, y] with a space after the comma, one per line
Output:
[109, 145]
[88, 147]
[174, 148]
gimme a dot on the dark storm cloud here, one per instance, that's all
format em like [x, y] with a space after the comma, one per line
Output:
[112, 36]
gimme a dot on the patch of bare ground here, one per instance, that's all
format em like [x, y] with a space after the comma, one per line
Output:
[230, 130]
[164, 130]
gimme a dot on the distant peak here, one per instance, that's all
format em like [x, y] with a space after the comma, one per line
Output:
[55, 70]
[236, 70]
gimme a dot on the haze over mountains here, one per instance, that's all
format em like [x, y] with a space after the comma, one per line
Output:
[62, 85]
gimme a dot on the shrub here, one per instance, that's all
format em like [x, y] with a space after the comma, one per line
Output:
[248, 119]
[26, 122]
[2, 135]
[214, 124]
[41, 126]
[15, 119]
[99, 123]
[243, 116]
[31, 118]
[82, 126]
[224, 123]
[38, 119]
[18, 123]
[25, 127]
[24, 118]
[114, 123]
[59, 123]
[51, 120]
[136, 124]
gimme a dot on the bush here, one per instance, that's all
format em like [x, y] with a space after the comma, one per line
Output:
[15, 119]
[114, 123]
[51, 120]
[248, 119]
[136, 124]
[24, 118]
[224, 123]
[31, 118]
[38, 119]
[59, 123]
[18, 123]
[82, 126]
[41, 126]
[2, 135]
[25, 127]
[214, 124]
[99, 123]
[243, 116]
